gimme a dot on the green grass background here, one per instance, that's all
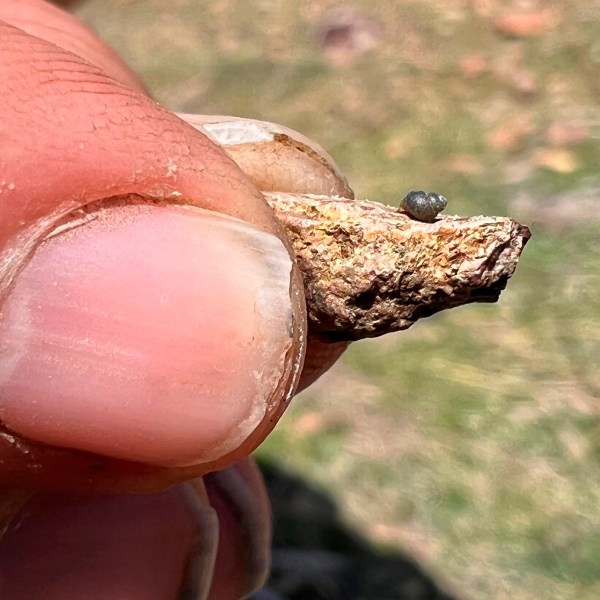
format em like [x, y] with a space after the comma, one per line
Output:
[472, 441]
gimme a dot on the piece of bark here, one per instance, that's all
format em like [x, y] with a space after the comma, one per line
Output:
[369, 269]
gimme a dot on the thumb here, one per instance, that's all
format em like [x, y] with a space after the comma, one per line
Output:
[136, 324]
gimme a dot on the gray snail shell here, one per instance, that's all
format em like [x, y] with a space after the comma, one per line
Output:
[423, 206]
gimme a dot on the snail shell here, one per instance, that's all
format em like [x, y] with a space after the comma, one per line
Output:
[423, 206]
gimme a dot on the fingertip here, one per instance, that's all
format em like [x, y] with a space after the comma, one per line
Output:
[157, 334]
[139, 547]
[48, 22]
[243, 560]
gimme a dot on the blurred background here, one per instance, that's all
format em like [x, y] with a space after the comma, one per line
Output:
[462, 455]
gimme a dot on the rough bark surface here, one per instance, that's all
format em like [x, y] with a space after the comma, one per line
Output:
[369, 269]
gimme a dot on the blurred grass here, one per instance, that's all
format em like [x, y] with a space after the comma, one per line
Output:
[472, 441]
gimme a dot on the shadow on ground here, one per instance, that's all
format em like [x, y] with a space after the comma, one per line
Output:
[318, 557]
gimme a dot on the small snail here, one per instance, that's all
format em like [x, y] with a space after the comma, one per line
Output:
[423, 206]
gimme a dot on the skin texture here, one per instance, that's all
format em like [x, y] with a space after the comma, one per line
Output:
[77, 129]
[134, 146]
[46, 21]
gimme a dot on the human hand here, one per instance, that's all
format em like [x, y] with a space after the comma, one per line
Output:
[146, 340]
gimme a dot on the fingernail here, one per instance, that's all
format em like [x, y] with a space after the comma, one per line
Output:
[146, 332]
[239, 496]
[200, 564]
[275, 157]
